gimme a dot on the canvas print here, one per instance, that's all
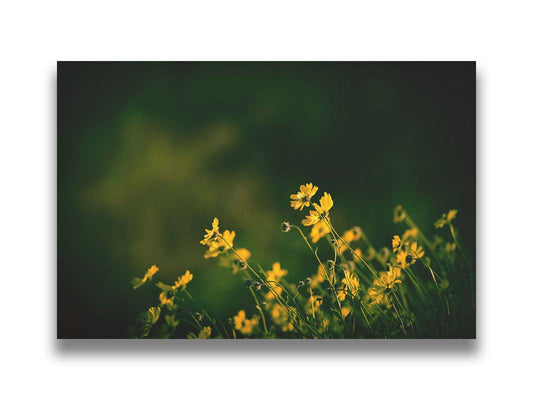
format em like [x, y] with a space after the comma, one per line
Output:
[266, 200]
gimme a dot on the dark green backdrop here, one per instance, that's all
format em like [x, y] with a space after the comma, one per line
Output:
[149, 153]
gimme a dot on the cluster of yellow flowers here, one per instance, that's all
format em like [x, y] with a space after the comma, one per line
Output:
[244, 325]
[217, 243]
[360, 291]
[168, 292]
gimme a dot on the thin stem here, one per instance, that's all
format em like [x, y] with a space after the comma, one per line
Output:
[400, 318]
[260, 311]
[206, 314]
[352, 251]
[454, 236]
[325, 271]
[282, 303]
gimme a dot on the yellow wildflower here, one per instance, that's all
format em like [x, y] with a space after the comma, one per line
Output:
[273, 288]
[345, 311]
[351, 283]
[166, 296]
[138, 282]
[380, 291]
[315, 280]
[341, 293]
[243, 254]
[281, 317]
[401, 259]
[321, 210]
[416, 250]
[151, 272]
[352, 235]
[396, 243]
[221, 244]
[319, 231]
[449, 247]
[398, 214]
[446, 218]
[217, 243]
[303, 197]
[358, 255]
[211, 233]
[244, 325]
[276, 273]
[183, 280]
[370, 253]
[235, 259]
[326, 202]
[311, 219]
[205, 333]
[451, 215]
[410, 234]
[167, 299]
[313, 304]
[321, 273]
[407, 257]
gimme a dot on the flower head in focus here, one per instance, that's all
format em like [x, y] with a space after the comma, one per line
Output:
[303, 197]
[220, 244]
[212, 233]
[321, 211]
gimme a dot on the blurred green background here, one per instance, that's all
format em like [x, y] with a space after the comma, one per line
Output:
[149, 153]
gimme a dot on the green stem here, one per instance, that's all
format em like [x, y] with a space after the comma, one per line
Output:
[455, 239]
[400, 318]
[206, 314]
[351, 250]
[260, 311]
[325, 272]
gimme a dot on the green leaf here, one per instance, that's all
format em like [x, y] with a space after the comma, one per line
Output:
[147, 320]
